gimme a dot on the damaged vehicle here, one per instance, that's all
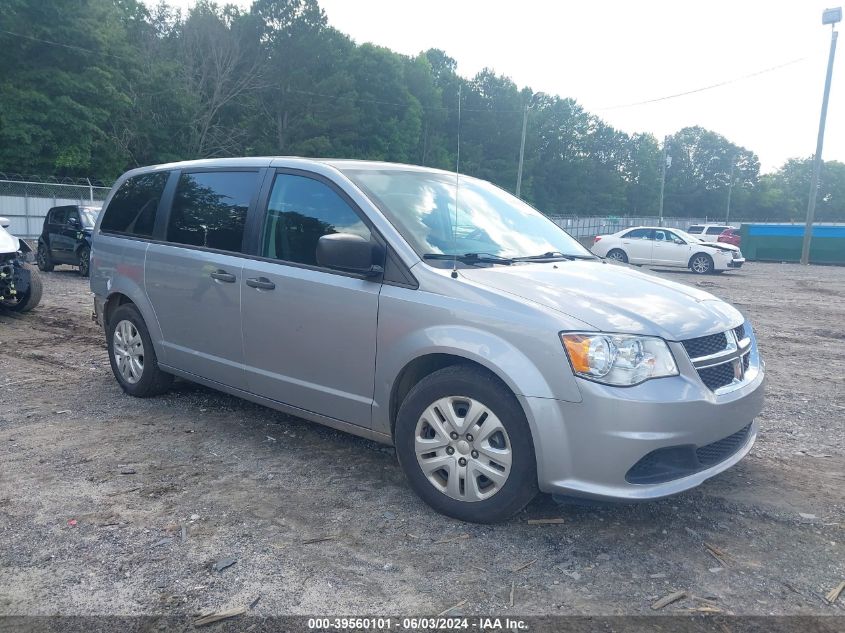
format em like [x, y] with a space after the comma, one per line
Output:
[670, 248]
[20, 284]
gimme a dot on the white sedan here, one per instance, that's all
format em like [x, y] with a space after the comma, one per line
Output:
[658, 246]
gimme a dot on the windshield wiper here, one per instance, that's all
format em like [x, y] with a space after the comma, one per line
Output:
[551, 257]
[472, 258]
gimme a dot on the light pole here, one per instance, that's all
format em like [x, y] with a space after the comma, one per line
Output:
[667, 162]
[829, 16]
[522, 144]
[730, 190]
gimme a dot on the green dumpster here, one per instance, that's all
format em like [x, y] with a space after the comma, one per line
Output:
[783, 243]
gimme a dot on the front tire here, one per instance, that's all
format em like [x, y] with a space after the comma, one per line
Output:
[29, 299]
[617, 255]
[701, 264]
[84, 261]
[131, 354]
[465, 446]
[43, 259]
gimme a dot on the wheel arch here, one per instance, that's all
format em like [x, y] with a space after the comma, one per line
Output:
[706, 254]
[420, 367]
[125, 295]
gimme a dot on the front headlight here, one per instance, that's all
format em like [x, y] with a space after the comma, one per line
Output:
[622, 360]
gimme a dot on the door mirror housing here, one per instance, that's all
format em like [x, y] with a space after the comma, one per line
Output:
[5, 222]
[74, 223]
[679, 241]
[350, 253]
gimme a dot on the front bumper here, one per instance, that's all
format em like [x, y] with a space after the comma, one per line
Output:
[728, 263]
[587, 448]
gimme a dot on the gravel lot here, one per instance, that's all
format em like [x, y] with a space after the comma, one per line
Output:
[112, 505]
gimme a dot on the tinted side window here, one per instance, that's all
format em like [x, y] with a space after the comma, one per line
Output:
[301, 210]
[58, 215]
[695, 229]
[715, 230]
[209, 209]
[640, 234]
[133, 207]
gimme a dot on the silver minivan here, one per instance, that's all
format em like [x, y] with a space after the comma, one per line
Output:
[433, 312]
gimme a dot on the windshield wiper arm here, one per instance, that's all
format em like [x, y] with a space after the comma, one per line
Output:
[472, 258]
[552, 256]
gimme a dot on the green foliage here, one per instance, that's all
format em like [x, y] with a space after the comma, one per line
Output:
[93, 87]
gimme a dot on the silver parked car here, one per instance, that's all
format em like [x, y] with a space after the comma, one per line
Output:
[435, 313]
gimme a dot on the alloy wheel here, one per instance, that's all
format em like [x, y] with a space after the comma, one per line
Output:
[701, 264]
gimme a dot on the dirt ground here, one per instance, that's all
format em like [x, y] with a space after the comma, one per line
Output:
[113, 505]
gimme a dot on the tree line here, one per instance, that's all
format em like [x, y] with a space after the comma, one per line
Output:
[94, 87]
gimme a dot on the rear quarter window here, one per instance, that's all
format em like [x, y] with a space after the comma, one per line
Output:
[132, 210]
[716, 230]
[695, 229]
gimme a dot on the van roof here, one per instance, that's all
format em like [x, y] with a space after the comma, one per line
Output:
[341, 164]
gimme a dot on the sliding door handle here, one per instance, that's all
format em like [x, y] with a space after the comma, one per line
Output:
[262, 283]
[222, 275]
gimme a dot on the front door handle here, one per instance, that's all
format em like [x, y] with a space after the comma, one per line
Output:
[262, 283]
[222, 275]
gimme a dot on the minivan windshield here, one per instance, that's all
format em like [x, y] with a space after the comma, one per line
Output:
[489, 223]
[88, 216]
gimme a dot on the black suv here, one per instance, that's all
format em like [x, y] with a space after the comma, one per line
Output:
[66, 237]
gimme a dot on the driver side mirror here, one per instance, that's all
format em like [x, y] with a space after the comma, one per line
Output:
[73, 223]
[5, 222]
[679, 241]
[350, 253]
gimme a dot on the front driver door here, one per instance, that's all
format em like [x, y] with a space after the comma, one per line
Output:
[670, 249]
[309, 332]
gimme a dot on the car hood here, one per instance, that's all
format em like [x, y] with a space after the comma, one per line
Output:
[722, 246]
[8, 243]
[613, 298]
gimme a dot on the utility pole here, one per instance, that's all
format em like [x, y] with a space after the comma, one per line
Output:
[666, 160]
[829, 16]
[521, 151]
[730, 190]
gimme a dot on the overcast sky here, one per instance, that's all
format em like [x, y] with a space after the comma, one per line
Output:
[614, 53]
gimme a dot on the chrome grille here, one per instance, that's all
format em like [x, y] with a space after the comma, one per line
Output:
[717, 376]
[721, 359]
[705, 345]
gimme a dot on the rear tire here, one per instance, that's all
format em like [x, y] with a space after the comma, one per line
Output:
[617, 255]
[31, 298]
[701, 264]
[43, 259]
[131, 354]
[504, 449]
[84, 261]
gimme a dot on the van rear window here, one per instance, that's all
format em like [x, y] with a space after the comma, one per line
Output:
[132, 210]
[209, 209]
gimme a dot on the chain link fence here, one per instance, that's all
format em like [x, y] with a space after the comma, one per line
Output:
[25, 201]
[585, 228]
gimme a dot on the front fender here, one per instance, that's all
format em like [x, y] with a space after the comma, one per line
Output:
[524, 351]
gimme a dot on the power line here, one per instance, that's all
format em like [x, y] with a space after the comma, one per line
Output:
[710, 87]
[60, 44]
